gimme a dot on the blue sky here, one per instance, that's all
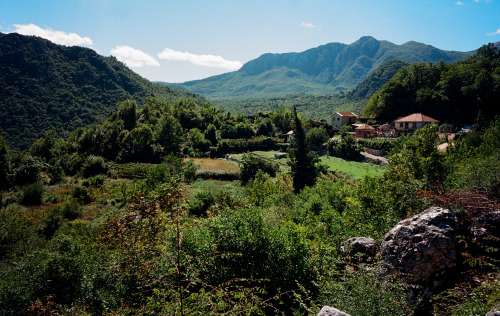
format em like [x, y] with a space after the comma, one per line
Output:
[176, 41]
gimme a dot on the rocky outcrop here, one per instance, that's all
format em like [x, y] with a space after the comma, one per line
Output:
[360, 249]
[330, 311]
[421, 248]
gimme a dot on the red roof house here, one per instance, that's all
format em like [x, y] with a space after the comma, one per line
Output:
[410, 123]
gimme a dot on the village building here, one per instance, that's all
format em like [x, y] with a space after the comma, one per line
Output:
[340, 119]
[364, 131]
[408, 124]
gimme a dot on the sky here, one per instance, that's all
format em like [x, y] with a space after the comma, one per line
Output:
[182, 40]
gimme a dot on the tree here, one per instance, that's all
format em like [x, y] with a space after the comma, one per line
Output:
[250, 165]
[4, 164]
[128, 113]
[301, 160]
[169, 135]
[211, 134]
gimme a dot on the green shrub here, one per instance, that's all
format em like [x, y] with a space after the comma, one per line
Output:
[28, 170]
[201, 202]
[71, 210]
[251, 164]
[56, 173]
[33, 194]
[344, 147]
[82, 194]
[364, 292]
[190, 171]
[94, 165]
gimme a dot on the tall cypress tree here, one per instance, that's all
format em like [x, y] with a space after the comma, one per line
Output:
[301, 160]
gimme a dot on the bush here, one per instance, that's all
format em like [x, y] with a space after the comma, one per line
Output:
[250, 165]
[56, 173]
[190, 171]
[201, 202]
[345, 147]
[94, 165]
[82, 194]
[32, 194]
[28, 170]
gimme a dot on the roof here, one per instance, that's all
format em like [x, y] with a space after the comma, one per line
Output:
[416, 117]
[365, 126]
[346, 114]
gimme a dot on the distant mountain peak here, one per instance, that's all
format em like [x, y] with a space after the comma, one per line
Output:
[325, 69]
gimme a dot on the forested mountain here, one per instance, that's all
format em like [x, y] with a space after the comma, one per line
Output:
[458, 93]
[46, 86]
[322, 106]
[322, 70]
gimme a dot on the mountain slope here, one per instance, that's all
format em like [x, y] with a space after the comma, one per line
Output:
[45, 86]
[322, 70]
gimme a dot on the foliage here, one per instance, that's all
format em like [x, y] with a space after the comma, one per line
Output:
[201, 203]
[251, 164]
[33, 194]
[418, 159]
[363, 292]
[94, 165]
[316, 137]
[52, 87]
[301, 160]
[453, 93]
[344, 147]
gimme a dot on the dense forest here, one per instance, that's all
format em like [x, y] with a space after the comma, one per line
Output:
[45, 86]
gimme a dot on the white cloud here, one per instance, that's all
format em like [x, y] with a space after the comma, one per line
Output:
[133, 57]
[308, 25]
[494, 33]
[460, 3]
[58, 37]
[200, 60]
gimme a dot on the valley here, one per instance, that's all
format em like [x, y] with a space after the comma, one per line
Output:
[120, 196]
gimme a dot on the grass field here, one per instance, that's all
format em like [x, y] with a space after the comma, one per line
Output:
[355, 169]
[216, 164]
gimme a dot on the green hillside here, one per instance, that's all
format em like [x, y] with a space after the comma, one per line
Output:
[454, 93]
[46, 86]
[322, 70]
[321, 106]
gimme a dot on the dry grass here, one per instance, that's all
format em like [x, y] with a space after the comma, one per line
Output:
[216, 164]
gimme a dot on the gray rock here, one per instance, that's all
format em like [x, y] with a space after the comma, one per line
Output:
[330, 311]
[422, 248]
[360, 248]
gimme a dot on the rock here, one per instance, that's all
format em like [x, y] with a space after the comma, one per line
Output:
[360, 248]
[422, 247]
[330, 311]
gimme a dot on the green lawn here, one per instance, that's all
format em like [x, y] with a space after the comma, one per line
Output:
[355, 169]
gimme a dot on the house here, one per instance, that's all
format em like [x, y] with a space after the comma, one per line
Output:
[340, 119]
[364, 130]
[288, 137]
[410, 123]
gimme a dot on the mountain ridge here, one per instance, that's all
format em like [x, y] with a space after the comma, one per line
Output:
[47, 86]
[325, 69]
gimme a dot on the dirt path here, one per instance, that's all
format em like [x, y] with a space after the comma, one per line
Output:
[382, 160]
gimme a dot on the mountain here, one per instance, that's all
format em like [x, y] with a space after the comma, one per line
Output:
[322, 70]
[376, 79]
[46, 86]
